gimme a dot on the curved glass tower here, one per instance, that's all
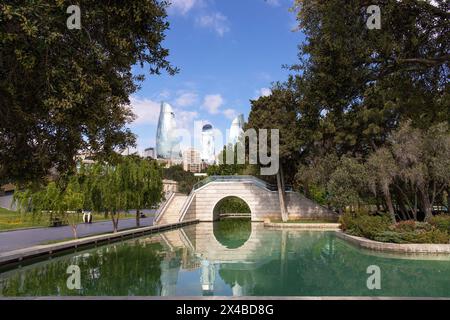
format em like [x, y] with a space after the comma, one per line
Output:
[208, 146]
[237, 128]
[167, 144]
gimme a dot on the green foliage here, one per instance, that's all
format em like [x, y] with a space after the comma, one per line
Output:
[186, 180]
[54, 201]
[364, 225]
[63, 90]
[232, 233]
[279, 111]
[232, 205]
[377, 96]
[417, 236]
[346, 183]
[132, 183]
[380, 228]
[442, 222]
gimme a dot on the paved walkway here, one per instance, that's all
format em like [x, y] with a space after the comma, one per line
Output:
[19, 239]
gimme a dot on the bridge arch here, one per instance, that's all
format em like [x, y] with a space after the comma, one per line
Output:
[261, 198]
[215, 208]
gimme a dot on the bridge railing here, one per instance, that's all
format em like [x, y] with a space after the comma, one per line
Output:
[250, 179]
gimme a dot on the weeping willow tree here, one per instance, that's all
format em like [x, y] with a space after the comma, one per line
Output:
[132, 183]
[63, 201]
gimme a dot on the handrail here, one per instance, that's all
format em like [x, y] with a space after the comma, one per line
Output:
[164, 207]
[186, 205]
[247, 178]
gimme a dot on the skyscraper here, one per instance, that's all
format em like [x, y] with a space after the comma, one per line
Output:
[191, 160]
[208, 146]
[236, 129]
[167, 144]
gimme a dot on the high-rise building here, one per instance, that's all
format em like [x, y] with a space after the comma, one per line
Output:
[150, 153]
[236, 129]
[192, 161]
[167, 144]
[208, 147]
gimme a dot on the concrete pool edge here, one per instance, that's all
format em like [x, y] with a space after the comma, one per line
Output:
[364, 243]
[20, 255]
[304, 226]
[409, 248]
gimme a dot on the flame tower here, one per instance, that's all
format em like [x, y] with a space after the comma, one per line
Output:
[167, 144]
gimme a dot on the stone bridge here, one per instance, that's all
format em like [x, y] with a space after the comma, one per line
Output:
[261, 197]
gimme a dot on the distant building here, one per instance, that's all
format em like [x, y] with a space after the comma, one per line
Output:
[236, 129]
[208, 145]
[170, 186]
[150, 153]
[167, 144]
[85, 158]
[192, 161]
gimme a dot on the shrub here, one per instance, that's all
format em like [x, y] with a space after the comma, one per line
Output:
[442, 222]
[405, 226]
[419, 236]
[364, 225]
[379, 228]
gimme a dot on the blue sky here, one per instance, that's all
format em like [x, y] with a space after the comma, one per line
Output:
[228, 52]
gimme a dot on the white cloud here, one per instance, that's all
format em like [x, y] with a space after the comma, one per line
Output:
[182, 6]
[185, 119]
[146, 110]
[215, 21]
[273, 3]
[212, 103]
[165, 94]
[230, 113]
[263, 92]
[186, 99]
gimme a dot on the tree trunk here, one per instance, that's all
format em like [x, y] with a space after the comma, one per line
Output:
[74, 230]
[425, 203]
[115, 221]
[307, 193]
[448, 200]
[284, 216]
[402, 208]
[387, 196]
[138, 218]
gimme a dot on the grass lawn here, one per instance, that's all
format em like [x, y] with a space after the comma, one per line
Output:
[10, 220]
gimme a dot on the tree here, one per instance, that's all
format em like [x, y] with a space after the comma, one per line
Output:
[57, 201]
[346, 183]
[185, 179]
[144, 185]
[356, 85]
[279, 111]
[423, 157]
[383, 168]
[62, 91]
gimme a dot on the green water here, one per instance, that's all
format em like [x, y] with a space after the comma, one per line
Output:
[219, 259]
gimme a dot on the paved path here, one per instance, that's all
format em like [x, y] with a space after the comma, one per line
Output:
[13, 240]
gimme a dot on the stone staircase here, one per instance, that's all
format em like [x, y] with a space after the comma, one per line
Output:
[172, 212]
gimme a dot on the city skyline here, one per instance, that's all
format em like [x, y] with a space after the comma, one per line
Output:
[224, 62]
[171, 144]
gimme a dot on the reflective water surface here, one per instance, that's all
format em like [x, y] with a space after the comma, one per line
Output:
[226, 260]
